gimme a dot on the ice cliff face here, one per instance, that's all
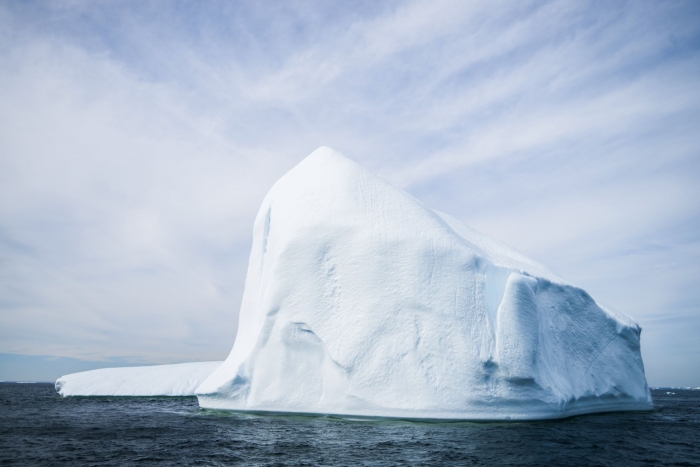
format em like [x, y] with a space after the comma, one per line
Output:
[359, 300]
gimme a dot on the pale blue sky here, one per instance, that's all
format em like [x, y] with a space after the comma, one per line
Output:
[137, 140]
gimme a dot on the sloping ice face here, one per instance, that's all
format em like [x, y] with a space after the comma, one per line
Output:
[361, 301]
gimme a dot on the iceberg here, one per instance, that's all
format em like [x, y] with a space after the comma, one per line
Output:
[361, 301]
[161, 380]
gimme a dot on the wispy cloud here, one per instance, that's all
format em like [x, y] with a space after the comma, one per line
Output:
[138, 139]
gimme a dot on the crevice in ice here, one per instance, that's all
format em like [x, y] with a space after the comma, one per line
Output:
[266, 234]
[332, 285]
[600, 353]
[239, 387]
[305, 329]
[495, 280]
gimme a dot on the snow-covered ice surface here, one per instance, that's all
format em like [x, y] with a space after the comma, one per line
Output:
[359, 300]
[160, 380]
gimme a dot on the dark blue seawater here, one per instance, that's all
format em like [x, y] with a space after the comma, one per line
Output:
[38, 427]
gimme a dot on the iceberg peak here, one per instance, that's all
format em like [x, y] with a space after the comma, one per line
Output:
[322, 162]
[325, 154]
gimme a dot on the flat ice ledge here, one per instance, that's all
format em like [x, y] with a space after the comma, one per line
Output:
[161, 380]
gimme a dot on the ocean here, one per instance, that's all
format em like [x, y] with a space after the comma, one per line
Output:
[38, 427]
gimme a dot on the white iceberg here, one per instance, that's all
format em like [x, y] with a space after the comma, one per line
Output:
[361, 301]
[161, 380]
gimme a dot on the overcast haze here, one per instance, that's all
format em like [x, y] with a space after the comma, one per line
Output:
[137, 140]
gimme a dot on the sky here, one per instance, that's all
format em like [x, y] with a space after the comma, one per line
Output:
[138, 139]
